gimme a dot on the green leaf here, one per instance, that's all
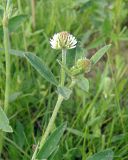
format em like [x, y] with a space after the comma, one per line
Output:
[50, 146]
[97, 56]
[103, 155]
[14, 96]
[37, 63]
[17, 52]
[19, 132]
[4, 122]
[54, 153]
[64, 92]
[83, 83]
[14, 23]
[14, 52]
[40, 66]
[75, 132]
[71, 57]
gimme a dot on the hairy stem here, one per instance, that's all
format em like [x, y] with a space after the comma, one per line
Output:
[62, 69]
[52, 120]
[56, 109]
[58, 104]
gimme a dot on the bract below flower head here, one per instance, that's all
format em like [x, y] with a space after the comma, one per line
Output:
[63, 40]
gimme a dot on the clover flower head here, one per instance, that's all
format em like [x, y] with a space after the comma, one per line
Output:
[83, 65]
[63, 40]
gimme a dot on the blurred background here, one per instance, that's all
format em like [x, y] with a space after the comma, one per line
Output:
[97, 120]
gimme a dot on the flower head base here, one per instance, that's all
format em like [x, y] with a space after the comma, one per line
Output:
[82, 66]
[63, 40]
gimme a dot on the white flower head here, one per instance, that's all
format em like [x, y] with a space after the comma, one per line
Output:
[63, 40]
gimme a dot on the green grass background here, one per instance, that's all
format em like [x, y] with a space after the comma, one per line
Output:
[96, 120]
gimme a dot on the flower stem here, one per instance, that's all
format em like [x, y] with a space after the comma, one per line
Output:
[7, 82]
[62, 69]
[58, 103]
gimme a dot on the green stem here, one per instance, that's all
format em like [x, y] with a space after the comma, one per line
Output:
[62, 69]
[56, 109]
[52, 120]
[7, 59]
[58, 104]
